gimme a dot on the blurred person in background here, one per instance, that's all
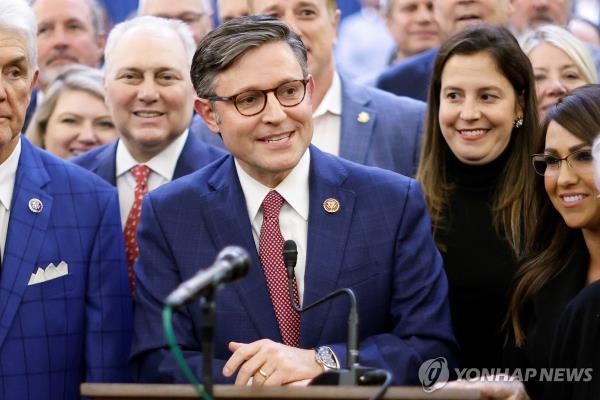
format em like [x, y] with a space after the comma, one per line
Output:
[413, 27]
[589, 9]
[585, 30]
[229, 9]
[481, 127]
[529, 15]
[562, 247]
[412, 76]
[69, 32]
[197, 14]
[560, 62]
[73, 117]
[364, 44]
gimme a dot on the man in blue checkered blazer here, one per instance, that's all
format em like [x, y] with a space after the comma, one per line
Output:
[65, 307]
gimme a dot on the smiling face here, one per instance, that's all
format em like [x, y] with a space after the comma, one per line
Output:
[412, 26]
[455, 15]
[311, 20]
[270, 144]
[572, 192]
[15, 89]
[477, 108]
[148, 90]
[555, 75]
[80, 122]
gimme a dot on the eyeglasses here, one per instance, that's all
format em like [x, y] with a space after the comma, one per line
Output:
[253, 102]
[548, 165]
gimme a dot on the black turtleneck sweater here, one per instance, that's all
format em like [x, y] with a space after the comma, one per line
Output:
[479, 263]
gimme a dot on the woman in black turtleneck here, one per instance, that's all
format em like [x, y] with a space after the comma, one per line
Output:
[481, 127]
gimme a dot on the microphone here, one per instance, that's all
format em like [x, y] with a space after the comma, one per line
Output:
[231, 264]
[354, 374]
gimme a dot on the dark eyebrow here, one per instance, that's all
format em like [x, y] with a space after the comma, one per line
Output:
[571, 149]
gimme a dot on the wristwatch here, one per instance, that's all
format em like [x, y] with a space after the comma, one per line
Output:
[326, 358]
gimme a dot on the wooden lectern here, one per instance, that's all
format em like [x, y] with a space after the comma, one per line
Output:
[115, 391]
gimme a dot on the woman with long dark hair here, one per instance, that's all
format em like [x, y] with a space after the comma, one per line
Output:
[562, 231]
[481, 127]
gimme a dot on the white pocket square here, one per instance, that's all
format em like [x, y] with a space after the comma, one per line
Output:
[50, 272]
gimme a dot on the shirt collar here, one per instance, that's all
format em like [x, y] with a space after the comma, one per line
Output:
[8, 174]
[163, 163]
[332, 102]
[294, 188]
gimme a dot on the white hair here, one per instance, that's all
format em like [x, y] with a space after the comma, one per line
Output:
[156, 24]
[596, 155]
[18, 16]
[565, 41]
[206, 6]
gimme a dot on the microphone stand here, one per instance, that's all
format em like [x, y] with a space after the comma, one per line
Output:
[354, 374]
[207, 307]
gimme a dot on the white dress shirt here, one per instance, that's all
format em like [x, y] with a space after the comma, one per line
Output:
[162, 167]
[8, 175]
[328, 119]
[293, 218]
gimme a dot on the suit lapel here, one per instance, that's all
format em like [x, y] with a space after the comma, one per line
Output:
[327, 235]
[358, 122]
[106, 166]
[25, 236]
[188, 161]
[228, 224]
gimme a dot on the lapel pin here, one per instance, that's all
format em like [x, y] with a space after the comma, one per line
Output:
[363, 117]
[331, 205]
[35, 205]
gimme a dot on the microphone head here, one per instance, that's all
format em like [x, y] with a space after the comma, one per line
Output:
[239, 262]
[290, 253]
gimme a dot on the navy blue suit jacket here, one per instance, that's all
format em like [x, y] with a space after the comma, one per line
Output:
[410, 77]
[77, 327]
[390, 139]
[379, 244]
[194, 155]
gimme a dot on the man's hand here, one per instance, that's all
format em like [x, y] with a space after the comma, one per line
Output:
[270, 363]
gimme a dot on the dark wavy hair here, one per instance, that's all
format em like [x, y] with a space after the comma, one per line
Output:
[550, 243]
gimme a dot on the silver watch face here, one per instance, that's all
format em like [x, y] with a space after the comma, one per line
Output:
[326, 357]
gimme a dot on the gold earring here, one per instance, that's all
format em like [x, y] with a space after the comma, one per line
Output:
[518, 122]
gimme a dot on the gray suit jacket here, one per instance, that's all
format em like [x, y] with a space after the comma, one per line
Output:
[378, 129]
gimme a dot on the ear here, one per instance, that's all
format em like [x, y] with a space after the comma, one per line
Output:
[311, 86]
[335, 22]
[510, 7]
[34, 80]
[205, 109]
[520, 109]
[100, 42]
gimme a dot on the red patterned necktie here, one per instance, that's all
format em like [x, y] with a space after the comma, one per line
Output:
[271, 258]
[140, 173]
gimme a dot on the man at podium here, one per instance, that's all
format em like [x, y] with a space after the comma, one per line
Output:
[358, 227]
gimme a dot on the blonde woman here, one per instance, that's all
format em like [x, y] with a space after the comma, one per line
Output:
[560, 62]
[73, 117]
